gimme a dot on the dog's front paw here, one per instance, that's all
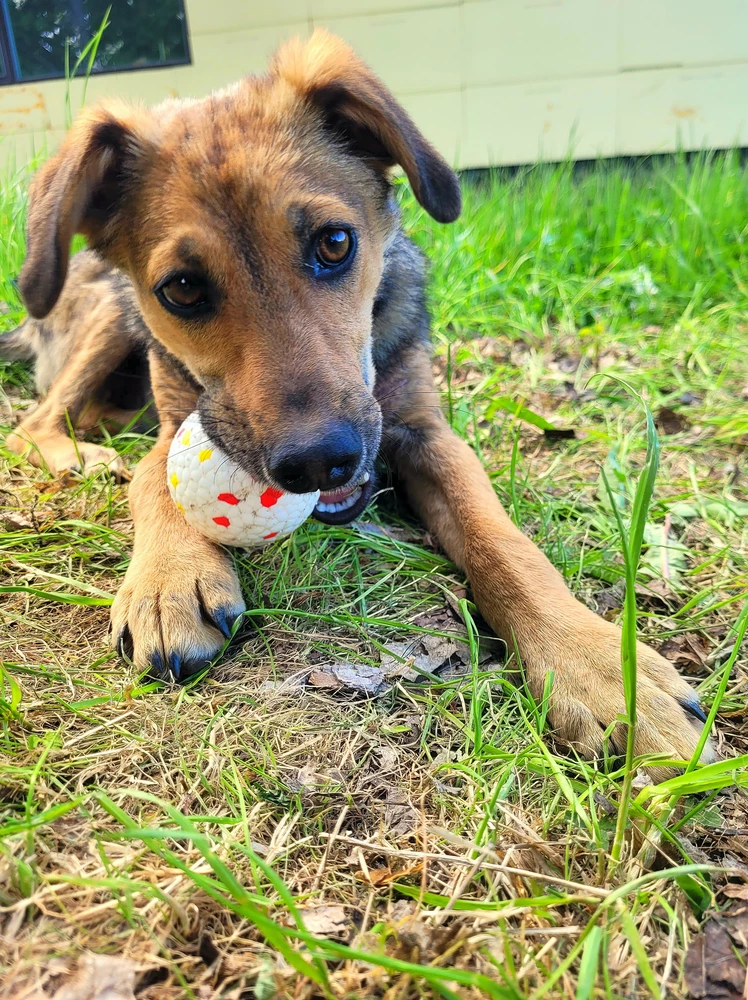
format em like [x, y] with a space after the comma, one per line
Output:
[60, 454]
[174, 610]
[90, 459]
[587, 694]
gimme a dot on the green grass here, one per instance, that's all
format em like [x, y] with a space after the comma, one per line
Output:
[472, 856]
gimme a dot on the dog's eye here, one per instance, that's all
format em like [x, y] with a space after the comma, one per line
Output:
[334, 246]
[184, 294]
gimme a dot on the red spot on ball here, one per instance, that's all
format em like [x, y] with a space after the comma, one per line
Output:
[270, 497]
[228, 498]
[223, 521]
[271, 535]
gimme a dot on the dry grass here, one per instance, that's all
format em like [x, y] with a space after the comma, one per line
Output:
[435, 831]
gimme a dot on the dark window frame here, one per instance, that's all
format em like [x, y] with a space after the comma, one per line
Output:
[9, 76]
[12, 76]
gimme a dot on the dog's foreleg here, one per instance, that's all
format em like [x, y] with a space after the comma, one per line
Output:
[522, 596]
[180, 595]
[44, 437]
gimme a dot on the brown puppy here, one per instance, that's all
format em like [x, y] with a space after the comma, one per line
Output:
[263, 251]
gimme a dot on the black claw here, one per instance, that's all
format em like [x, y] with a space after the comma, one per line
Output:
[224, 620]
[156, 670]
[175, 665]
[124, 643]
[179, 669]
[693, 708]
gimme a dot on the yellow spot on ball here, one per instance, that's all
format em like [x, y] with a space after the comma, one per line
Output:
[205, 454]
[180, 508]
[186, 438]
[174, 480]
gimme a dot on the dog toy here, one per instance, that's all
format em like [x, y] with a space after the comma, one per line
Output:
[224, 502]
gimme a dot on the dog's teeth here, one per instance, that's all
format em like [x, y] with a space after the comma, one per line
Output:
[335, 508]
[366, 478]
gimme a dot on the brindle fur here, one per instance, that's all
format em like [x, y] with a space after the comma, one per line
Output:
[233, 185]
[91, 367]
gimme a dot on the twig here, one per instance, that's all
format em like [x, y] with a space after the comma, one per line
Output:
[532, 963]
[328, 848]
[87, 588]
[462, 884]
[453, 859]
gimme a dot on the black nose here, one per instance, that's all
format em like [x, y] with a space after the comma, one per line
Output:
[323, 464]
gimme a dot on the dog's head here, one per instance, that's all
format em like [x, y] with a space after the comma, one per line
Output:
[254, 226]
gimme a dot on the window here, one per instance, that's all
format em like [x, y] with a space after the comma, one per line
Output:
[141, 34]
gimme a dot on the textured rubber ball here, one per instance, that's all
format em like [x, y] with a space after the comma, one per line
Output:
[224, 502]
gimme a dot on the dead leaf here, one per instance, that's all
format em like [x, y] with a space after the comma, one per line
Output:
[453, 599]
[609, 598]
[446, 618]
[715, 967]
[732, 860]
[383, 876]
[409, 660]
[100, 977]
[329, 922]
[659, 591]
[685, 649]
[641, 780]
[388, 758]
[308, 777]
[670, 422]
[694, 852]
[735, 890]
[287, 686]
[353, 676]
[400, 816]
[492, 347]
[15, 520]
[449, 619]
[419, 940]
[424, 655]
[605, 804]
[322, 679]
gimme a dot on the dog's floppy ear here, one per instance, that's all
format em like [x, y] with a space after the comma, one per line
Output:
[77, 191]
[358, 106]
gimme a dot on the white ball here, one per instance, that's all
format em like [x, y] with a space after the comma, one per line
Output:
[222, 501]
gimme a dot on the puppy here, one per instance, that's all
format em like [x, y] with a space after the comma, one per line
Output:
[247, 259]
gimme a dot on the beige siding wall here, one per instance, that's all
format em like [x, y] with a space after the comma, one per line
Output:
[489, 81]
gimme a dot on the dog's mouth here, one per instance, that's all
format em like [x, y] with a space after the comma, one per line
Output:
[346, 503]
